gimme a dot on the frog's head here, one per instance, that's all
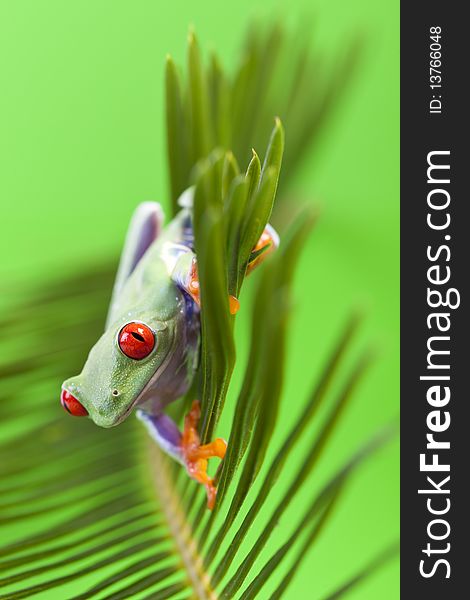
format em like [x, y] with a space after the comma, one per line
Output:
[120, 365]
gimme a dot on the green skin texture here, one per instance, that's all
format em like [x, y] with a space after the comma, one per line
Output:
[112, 384]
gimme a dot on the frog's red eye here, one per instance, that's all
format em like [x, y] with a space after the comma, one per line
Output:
[136, 340]
[72, 405]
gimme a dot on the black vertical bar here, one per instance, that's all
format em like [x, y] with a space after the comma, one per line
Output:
[422, 132]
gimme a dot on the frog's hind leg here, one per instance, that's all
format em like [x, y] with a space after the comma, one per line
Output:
[186, 448]
[267, 243]
[197, 455]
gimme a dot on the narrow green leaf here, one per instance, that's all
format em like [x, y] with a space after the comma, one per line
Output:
[275, 561]
[229, 172]
[262, 386]
[301, 475]
[240, 107]
[87, 518]
[129, 550]
[255, 221]
[260, 202]
[176, 125]
[218, 354]
[301, 555]
[106, 545]
[294, 435]
[379, 561]
[146, 582]
[200, 123]
[220, 96]
[274, 153]
[122, 574]
[234, 210]
[262, 53]
[307, 121]
[258, 396]
[253, 174]
[101, 533]
[367, 450]
[167, 592]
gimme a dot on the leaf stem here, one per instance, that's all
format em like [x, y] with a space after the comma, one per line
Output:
[180, 530]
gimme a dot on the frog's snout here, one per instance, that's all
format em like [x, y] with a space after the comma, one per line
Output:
[72, 405]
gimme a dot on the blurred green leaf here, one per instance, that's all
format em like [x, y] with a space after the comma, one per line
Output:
[177, 146]
[277, 76]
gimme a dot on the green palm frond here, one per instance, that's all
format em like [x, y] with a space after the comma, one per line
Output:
[277, 75]
[105, 512]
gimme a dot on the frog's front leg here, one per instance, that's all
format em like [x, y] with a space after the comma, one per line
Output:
[185, 275]
[186, 448]
[164, 431]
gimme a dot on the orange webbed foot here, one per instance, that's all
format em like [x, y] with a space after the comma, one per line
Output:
[196, 455]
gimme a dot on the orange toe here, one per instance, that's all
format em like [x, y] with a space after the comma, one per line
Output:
[211, 496]
[234, 305]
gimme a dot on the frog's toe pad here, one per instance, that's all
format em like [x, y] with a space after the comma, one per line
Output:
[234, 305]
[197, 470]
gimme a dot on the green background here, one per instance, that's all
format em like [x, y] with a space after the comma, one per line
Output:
[82, 142]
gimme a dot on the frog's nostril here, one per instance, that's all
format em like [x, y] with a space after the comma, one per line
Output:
[72, 405]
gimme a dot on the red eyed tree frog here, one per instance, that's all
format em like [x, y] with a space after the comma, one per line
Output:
[148, 353]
